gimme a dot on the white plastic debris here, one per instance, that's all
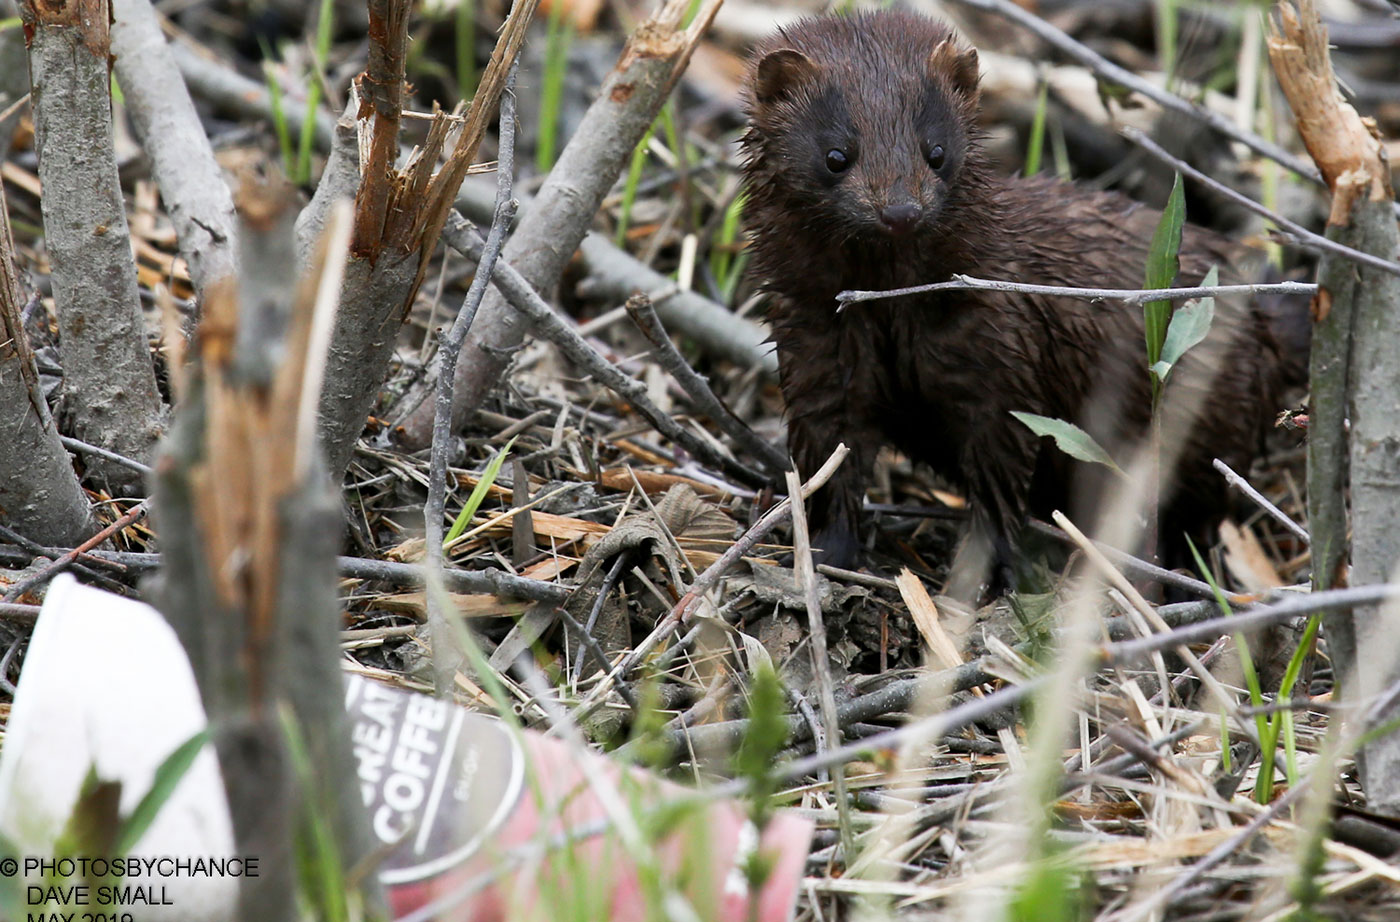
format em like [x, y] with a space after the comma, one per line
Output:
[107, 685]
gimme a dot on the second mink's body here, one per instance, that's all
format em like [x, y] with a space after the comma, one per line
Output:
[864, 171]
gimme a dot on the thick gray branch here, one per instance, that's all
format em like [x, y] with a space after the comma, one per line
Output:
[109, 385]
[191, 184]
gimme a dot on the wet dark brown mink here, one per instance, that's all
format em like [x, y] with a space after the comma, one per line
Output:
[865, 170]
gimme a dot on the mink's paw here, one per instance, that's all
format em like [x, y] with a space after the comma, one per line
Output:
[836, 547]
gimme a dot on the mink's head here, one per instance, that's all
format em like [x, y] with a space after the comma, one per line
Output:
[865, 125]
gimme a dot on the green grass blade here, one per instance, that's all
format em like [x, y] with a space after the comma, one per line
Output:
[1266, 728]
[319, 866]
[474, 501]
[558, 39]
[629, 191]
[1036, 144]
[279, 117]
[168, 776]
[722, 257]
[325, 21]
[1166, 37]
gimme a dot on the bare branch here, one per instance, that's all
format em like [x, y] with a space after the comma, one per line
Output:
[1290, 231]
[447, 657]
[191, 183]
[1127, 295]
[1277, 514]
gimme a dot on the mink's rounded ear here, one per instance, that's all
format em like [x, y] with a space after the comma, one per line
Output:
[780, 73]
[957, 65]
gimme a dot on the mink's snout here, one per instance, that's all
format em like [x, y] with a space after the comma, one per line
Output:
[900, 218]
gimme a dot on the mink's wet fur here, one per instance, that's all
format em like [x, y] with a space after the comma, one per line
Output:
[911, 199]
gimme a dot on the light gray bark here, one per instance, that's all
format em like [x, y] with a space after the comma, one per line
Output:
[109, 385]
[1375, 486]
[360, 351]
[192, 186]
[39, 494]
[339, 180]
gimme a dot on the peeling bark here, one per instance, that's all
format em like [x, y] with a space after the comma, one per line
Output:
[398, 214]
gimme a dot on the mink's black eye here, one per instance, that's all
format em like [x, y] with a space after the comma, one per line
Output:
[837, 161]
[935, 157]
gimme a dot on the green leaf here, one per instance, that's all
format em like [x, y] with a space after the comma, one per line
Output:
[1071, 440]
[474, 501]
[1163, 264]
[1189, 325]
[167, 778]
[558, 39]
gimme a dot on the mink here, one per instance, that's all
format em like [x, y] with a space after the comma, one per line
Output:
[864, 169]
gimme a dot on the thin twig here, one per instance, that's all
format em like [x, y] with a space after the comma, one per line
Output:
[35, 549]
[586, 641]
[821, 661]
[494, 582]
[58, 566]
[1103, 67]
[643, 314]
[444, 656]
[86, 449]
[1290, 231]
[1139, 568]
[961, 282]
[1239, 483]
[609, 581]
[5, 684]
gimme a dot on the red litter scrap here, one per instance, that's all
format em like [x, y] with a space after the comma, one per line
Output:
[483, 826]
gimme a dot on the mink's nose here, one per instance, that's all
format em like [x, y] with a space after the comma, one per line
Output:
[900, 219]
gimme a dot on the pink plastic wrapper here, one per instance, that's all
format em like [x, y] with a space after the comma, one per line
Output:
[464, 808]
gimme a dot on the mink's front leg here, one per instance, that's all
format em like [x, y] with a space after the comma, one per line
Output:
[825, 407]
[998, 463]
